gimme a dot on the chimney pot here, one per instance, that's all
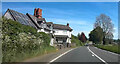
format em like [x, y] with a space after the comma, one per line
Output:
[39, 13]
[35, 12]
[67, 24]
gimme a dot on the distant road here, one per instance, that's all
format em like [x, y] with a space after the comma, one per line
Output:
[88, 54]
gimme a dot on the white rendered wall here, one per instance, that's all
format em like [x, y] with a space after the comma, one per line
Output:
[51, 42]
[62, 32]
[42, 30]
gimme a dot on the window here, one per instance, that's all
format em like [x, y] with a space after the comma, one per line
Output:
[56, 31]
[51, 27]
[65, 31]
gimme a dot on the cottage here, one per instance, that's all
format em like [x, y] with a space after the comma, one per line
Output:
[60, 34]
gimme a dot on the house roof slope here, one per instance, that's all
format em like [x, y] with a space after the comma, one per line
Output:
[63, 27]
[21, 18]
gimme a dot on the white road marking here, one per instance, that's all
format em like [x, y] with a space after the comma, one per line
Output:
[97, 56]
[92, 55]
[60, 56]
[106, 51]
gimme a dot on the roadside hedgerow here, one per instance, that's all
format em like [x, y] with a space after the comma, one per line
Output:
[21, 41]
[76, 41]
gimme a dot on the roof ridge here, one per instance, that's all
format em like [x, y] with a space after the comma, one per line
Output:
[60, 24]
[15, 11]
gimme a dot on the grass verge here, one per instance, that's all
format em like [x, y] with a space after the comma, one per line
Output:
[112, 48]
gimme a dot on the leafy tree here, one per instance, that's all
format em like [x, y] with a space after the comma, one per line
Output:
[96, 35]
[82, 37]
[79, 36]
[105, 23]
[76, 41]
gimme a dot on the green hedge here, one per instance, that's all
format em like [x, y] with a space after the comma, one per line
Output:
[76, 41]
[21, 41]
[112, 48]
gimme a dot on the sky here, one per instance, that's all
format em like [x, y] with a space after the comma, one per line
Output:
[60, 0]
[80, 15]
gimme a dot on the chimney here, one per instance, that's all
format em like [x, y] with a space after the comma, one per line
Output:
[39, 13]
[35, 12]
[68, 24]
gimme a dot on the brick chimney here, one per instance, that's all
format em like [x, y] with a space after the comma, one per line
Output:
[38, 13]
[68, 24]
[35, 12]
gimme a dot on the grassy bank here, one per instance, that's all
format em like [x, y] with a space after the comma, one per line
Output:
[112, 48]
[76, 42]
[21, 42]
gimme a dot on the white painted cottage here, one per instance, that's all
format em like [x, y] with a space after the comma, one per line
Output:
[60, 34]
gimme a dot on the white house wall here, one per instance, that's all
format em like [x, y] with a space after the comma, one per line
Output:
[42, 30]
[62, 32]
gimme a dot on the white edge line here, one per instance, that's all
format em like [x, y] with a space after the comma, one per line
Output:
[106, 51]
[60, 55]
[97, 56]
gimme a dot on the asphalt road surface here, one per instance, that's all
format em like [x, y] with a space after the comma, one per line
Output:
[87, 54]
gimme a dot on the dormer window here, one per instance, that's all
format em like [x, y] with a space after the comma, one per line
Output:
[43, 21]
[51, 27]
[39, 22]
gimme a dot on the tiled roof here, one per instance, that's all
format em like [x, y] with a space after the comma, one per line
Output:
[49, 24]
[23, 19]
[41, 19]
[36, 20]
[58, 26]
[63, 27]
[33, 21]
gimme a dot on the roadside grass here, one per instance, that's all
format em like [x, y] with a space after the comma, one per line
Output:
[39, 52]
[112, 48]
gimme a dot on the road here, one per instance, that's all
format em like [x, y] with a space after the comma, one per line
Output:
[80, 55]
[87, 54]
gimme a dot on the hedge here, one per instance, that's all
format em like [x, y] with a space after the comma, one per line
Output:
[21, 41]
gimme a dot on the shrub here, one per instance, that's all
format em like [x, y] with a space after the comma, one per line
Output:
[21, 41]
[76, 41]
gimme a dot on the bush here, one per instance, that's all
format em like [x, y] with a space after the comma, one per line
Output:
[21, 41]
[76, 41]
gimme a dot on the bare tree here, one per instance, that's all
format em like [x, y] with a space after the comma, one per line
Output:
[105, 23]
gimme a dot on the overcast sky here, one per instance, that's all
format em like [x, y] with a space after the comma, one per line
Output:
[80, 15]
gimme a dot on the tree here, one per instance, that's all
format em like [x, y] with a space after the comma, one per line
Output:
[76, 41]
[96, 35]
[82, 37]
[105, 23]
[79, 36]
